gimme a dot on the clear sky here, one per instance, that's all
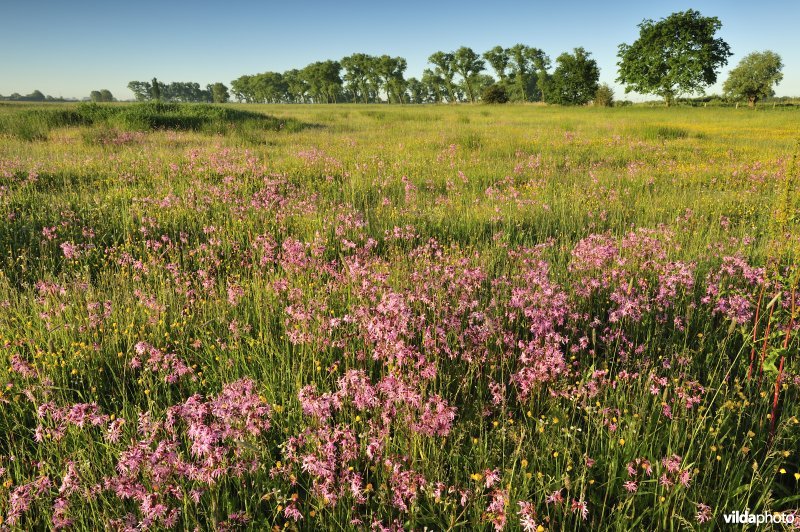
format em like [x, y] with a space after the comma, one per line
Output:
[71, 47]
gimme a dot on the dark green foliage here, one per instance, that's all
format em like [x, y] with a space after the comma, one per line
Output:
[469, 65]
[574, 81]
[219, 93]
[754, 76]
[366, 76]
[676, 55]
[527, 73]
[101, 96]
[444, 74]
[140, 90]
[416, 91]
[155, 90]
[495, 94]
[498, 58]
[267, 87]
[324, 81]
[434, 87]
[391, 71]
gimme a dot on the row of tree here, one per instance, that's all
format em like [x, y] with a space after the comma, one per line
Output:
[35, 96]
[522, 74]
[678, 55]
[178, 91]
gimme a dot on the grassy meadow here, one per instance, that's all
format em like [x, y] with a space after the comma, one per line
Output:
[375, 317]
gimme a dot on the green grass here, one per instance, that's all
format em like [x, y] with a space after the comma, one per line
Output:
[174, 209]
[35, 124]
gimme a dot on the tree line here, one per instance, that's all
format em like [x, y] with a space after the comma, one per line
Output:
[178, 91]
[522, 73]
[35, 96]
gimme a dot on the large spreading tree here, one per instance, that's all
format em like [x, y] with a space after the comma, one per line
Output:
[754, 76]
[676, 55]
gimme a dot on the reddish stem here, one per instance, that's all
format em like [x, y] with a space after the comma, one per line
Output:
[764, 345]
[791, 317]
[755, 333]
[775, 402]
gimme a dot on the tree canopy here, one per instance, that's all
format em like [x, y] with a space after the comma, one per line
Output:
[469, 65]
[574, 81]
[176, 91]
[219, 92]
[676, 55]
[754, 77]
[460, 75]
[101, 96]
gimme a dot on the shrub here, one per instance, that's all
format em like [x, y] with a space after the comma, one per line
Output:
[495, 94]
[604, 97]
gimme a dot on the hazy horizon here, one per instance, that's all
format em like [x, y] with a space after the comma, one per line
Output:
[69, 50]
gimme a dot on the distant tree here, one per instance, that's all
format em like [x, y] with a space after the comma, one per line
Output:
[754, 76]
[433, 86]
[374, 79]
[469, 65]
[495, 94]
[242, 90]
[155, 90]
[35, 96]
[95, 96]
[528, 73]
[416, 91]
[177, 91]
[268, 87]
[444, 71]
[604, 96]
[141, 90]
[296, 86]
[498, 59]
[676, 55]
[481, 82]
[324, 81]
[106, 96]
[391, 71]
[183, 91]
[574, 81]
[219, 92]
[358, 74]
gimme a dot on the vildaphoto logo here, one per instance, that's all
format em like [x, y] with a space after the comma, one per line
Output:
[746, 518]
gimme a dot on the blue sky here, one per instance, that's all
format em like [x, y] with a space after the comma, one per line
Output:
[69, 48]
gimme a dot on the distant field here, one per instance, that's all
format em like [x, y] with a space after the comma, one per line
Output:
[380, 316]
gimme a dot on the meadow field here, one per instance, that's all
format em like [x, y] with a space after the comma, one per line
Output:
[385, 317]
